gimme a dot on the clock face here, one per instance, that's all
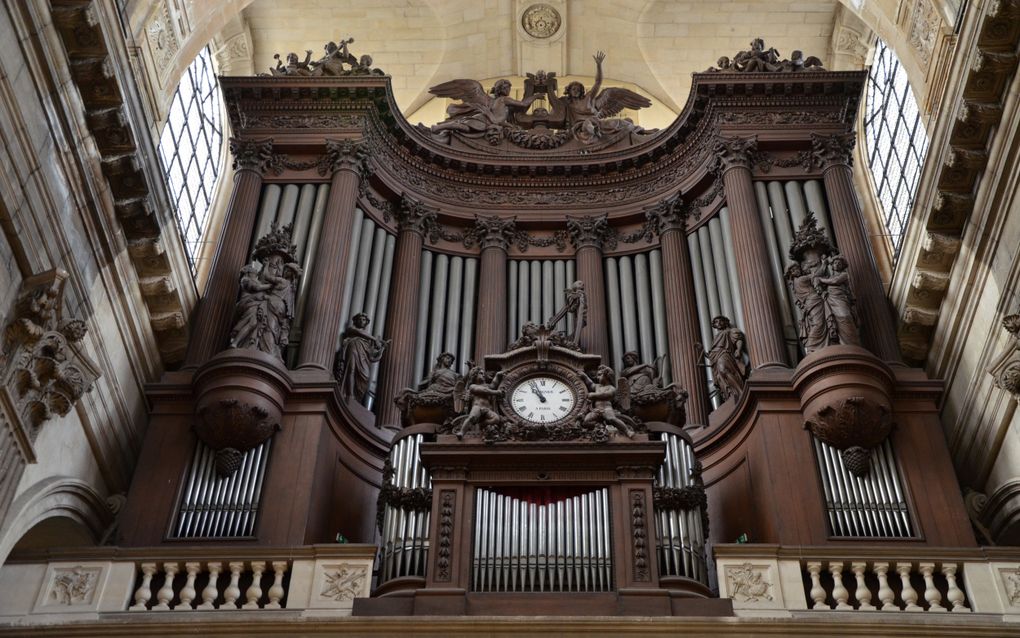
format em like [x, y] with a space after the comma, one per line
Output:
[542, 399]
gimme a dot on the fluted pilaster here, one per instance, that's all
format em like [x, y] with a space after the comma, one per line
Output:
[493, 234]
[835, 154]
[761, 304]
[216, 309]
[589, 235]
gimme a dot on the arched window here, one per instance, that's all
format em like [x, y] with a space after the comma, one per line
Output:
[190, 147]
[896, 142]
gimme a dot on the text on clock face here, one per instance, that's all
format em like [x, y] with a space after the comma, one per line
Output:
[542, 399]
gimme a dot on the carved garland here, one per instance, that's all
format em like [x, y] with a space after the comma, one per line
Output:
[446, 507]
[409, 499]
[640, 535]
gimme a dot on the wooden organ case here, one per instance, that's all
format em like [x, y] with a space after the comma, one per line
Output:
[364, 263]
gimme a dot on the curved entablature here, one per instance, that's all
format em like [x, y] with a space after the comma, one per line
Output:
[781, 108]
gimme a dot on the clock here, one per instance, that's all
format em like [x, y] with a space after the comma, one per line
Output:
[542, 399]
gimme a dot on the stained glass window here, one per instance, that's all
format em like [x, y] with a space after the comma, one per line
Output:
[895, 141]
[190, 148]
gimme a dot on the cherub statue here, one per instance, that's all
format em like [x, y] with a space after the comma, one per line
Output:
[588, 111]
[726, 358]
[477, 395]
[480, 113]
[294, 65]
[798, 62]
[358, 351]
[609, 399]
[336, 56]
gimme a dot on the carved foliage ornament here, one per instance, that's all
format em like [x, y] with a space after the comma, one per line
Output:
[639, 532]
[415, 216]
[344, 582]
[1006, 367]
[734, 152]
[830, 150]
[45, 369]
[73, 586]
[251, 155]
[446, 507]
[348, 155]
[592, 230]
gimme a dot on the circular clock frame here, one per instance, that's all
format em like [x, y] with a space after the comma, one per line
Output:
[569, 376]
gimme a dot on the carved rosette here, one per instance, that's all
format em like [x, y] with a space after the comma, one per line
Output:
[833, 150]
[251, 155]
[345, 155]
[591, 231]
[733, 152]
[415, 216]
[492, 231]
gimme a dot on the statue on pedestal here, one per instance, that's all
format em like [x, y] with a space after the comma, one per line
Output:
[266, 304]
[436, 390]
[358, 351]
[649, 398]
[726, 358]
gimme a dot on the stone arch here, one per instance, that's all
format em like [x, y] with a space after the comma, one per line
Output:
[54, 496]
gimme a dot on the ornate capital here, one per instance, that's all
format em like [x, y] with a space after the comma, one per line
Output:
[492, 231]
[345, 155]
[734, 152]
[591, 230]
[251, 155]
[833, 150]
[669, 214]
[415, 216]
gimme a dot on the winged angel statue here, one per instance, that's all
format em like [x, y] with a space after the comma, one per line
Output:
[494, 114]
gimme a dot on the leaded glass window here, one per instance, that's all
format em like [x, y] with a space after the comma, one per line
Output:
[190, 148]
[895, 141]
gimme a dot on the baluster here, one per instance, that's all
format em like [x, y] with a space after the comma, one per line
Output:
[254, 592]
[166, 592]
[955, 595]
[188, 591]
[817, 591]
[144, 593]
[885, 592]
[909, 594]
[839, 592]
[862, 593]
[276, 591]
[211, 592]
[233, 592]
[931, 593]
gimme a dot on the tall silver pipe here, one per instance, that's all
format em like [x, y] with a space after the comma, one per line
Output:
[440, 280]
[731, 265]
[454, 296]
[267, 211]
[830, 500]
[722, 278]
[311, 246]
[814, 193]
[659, 313]
[548, 290]
[571, 277]
[535, 292]
[642, 281]
[559, 288]
[708, 268]
[375, 277]
[781, 218]
[187, 502]
[523, 294]
[361, 270]
[701, 297]
[288, 205]
[382, 306]
[777, 261]
[352, 265]
[795, 200]
[422, 323]
[628, 303]
[615, 314]
[303, 219]
[467, 306]
[512, 329]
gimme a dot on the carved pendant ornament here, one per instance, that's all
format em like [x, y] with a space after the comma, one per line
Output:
[821, 289]
[854, 425]
[45, 368]
[265, 308]
[579, 118]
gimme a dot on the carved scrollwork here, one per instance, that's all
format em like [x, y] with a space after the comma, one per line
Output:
[734, 152]
[350, 155]
[833, 150]
[252, 155]
[416, 216]
[592, 230]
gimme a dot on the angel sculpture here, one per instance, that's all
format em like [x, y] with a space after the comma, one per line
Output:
[294, 65]
[480, 113]
[609, 399]
[588, 111]
[477, 395]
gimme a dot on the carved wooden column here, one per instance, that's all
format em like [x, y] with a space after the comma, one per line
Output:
[681, 307]
[761, 305]
[215, 310]
[321, 330]
[397, 370]
[493, 236]
[835, 154]
[589, 234]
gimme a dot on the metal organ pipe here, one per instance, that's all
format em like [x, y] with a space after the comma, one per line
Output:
[361, 273]
[680, 536]
[352, 260]
[512, 329]
[644, 307]
[453, 303]
[708, 268]
[523, 297]
[288, 205]
[303, 219]
[548, 292]
[535, 293]
[468, 306]
[267, 211]
[731, 262]
[615, 312]
[422, 325]
[437, 312]
[559, 289]
[628, 304]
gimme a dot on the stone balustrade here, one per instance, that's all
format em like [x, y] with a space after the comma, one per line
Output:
[93, 581]
[769, 580]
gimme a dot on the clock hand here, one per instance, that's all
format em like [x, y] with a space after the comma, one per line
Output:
[534, 388]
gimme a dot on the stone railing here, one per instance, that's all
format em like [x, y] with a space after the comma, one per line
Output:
[775, 581]
[91, 581]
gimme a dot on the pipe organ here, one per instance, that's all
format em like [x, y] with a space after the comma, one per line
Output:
[537, 458]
